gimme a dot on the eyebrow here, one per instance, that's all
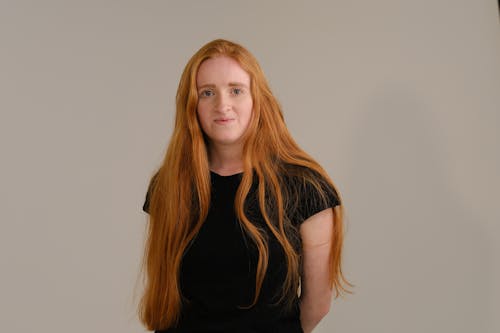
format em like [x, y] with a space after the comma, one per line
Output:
[231, 84]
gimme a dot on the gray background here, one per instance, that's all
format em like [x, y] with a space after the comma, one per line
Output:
[398, 100]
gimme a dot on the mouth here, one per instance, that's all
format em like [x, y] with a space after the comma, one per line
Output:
[223, 120]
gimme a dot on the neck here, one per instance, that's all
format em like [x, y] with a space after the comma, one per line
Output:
[225, 160]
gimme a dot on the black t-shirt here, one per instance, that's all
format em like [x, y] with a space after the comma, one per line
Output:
[218, 268]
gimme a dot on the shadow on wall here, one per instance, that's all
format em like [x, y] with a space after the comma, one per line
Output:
[420, 261]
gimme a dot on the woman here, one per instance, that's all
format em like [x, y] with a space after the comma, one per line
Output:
[239, 215]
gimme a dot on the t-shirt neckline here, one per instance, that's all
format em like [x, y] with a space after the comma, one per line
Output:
[226, 176]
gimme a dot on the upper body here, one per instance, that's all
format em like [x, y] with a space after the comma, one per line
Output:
[239, 215]
[218, 269]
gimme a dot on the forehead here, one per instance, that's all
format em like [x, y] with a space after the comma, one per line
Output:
[221, 71]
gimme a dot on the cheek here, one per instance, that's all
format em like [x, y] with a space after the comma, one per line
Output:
[201, 119]
[202, 111]
[249, 109]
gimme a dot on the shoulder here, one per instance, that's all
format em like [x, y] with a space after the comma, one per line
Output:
[152, 183]
[309, 192]
[306, 181]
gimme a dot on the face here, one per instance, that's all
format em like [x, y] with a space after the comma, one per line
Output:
[224, 101]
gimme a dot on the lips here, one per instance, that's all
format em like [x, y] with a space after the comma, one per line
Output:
[223, 120]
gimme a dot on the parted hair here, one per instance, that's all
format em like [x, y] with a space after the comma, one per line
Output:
[179, 192]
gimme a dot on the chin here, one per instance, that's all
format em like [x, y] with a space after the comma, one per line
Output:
[227, 141]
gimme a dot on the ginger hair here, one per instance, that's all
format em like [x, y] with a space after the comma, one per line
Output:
[179, 196]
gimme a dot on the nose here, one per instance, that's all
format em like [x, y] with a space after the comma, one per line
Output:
[222, 103]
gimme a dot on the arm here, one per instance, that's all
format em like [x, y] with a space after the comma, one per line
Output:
[316, 293]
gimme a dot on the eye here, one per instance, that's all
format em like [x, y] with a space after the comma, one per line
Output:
[206, 93]
[237, 91]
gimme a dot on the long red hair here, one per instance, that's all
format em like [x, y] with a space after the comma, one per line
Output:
[180, 191]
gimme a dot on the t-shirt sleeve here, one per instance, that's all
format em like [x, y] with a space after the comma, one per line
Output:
[311, 200]
[145, 206]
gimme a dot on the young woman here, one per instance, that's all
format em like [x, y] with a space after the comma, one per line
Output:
[240, 218]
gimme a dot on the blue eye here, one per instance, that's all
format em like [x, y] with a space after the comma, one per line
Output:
[206, 93]
[237, 91]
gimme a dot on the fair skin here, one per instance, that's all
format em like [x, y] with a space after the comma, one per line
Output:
[224, 112]
[316, 293]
